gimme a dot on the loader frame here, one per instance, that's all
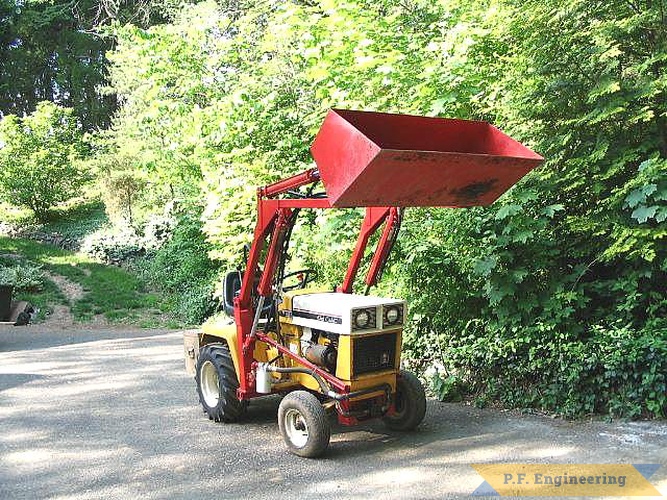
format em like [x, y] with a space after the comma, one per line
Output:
[277, 205]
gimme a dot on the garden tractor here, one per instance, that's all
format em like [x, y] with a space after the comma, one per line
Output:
[338, 352]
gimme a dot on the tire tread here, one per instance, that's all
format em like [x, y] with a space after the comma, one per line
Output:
[318, 422]
[229, 408]
[414, 392]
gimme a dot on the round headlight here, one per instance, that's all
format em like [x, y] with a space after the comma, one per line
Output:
[392, 315]
[361, 318]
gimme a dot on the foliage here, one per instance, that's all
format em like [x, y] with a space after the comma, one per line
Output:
[55, 51]
[554, 296]
[47, 55]
[182, 271]
[23, 277]
[117, 244]
[170, 254]
[70, 221]
[38, 158]
[447, 388]
[113, 245]
[76, 221]
[153, 154]
[121, 189]
[527, 294]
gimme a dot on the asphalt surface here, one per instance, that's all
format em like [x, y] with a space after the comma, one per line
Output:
[112, 414]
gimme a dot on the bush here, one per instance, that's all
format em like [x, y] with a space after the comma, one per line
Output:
[618, 371]
[121, 185]
[122, 243]
[22, 276]
[39, 158]
[113, 246]
[158, 230]
[182, 269]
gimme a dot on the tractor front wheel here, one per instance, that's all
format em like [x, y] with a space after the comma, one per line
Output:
[303, 424]
[217, 384]
[410, 403]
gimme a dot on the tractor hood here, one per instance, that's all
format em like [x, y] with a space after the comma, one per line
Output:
[346, 314]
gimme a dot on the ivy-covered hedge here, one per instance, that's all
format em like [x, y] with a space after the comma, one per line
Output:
[618, 372]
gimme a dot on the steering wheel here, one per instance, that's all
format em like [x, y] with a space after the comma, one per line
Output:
[304, 276]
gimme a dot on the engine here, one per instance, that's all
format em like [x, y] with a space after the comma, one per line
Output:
[349, 335]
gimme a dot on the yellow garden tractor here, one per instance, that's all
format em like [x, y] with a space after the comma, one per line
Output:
[338, 351]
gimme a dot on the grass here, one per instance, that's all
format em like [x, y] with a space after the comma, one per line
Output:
[74, 220]
[109, 291]
[44, 299]
[12, 214]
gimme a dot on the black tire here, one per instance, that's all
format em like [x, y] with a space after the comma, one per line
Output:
[304, 424]
[410, 403]
[217, 384]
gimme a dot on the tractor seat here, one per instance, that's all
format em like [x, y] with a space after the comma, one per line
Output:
[232, 288]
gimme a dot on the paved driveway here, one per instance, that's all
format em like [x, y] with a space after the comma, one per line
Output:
[112, 414]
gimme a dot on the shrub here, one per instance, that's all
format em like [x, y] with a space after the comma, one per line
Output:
[158, 230]
[122, 185]
[113, 246]
[23, 277]
[39, 158]
[182, 269]
[619, 371]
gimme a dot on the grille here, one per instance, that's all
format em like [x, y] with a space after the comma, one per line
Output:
[371, 354]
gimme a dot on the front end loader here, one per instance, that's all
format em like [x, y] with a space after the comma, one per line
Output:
[340, 352]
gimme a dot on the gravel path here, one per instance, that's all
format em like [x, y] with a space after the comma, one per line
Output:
[111, 414]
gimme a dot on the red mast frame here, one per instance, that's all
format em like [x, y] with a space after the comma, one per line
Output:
[274, 221]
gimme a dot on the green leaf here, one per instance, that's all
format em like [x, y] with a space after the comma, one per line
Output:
[635, 197]
[649, 189]
[661, 214]
[507, 211]
[483, 267]
[643, 213]
[551, 210]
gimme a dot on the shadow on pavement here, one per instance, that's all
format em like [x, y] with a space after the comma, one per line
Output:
[40, 336]
[10, 380]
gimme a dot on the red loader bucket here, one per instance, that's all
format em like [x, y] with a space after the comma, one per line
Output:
[381, 159]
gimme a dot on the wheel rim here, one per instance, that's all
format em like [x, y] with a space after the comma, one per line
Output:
[210, 384]
[296, 428]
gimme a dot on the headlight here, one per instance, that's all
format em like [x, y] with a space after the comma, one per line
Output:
[363, 319]
[393, 315]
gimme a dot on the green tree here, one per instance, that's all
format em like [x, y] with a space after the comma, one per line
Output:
[40, 158]
[47, 53]
[55, 50]
[561, 304]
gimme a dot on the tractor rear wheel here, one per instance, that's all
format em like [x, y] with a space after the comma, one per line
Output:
[217, 384]
[304, 424]
[410, 403]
